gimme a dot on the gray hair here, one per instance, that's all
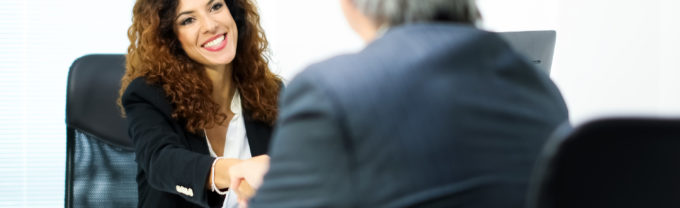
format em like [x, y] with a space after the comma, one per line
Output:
[398, 12]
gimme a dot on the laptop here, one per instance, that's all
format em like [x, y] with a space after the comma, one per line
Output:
[537, 46]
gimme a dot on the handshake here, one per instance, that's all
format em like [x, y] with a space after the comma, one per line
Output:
[246, 176]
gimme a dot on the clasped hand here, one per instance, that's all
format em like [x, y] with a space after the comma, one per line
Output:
[247, 175]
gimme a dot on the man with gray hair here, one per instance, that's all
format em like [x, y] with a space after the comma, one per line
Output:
[433, 112]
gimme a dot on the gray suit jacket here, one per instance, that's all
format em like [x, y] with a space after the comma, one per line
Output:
[438, 115]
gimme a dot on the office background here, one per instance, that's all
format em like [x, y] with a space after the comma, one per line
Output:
[613, 57]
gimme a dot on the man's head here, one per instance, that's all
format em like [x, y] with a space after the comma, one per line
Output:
[366, 16]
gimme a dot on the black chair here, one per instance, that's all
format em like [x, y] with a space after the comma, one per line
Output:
[625, 162]
[100, 166]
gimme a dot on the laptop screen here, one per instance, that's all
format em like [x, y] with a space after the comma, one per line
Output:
[537, 46]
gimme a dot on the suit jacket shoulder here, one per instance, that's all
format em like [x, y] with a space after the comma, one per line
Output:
[409, 119]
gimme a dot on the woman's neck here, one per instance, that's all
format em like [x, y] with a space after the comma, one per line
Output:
[223, 87]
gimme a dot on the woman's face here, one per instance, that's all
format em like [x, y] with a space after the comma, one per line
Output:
[207, 31]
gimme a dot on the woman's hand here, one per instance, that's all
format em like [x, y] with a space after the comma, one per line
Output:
[221, 169]
[251, 171]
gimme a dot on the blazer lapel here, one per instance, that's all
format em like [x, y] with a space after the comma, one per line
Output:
[259, 135]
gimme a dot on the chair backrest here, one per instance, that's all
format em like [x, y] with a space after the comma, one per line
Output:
[625, 162]
[100, 166]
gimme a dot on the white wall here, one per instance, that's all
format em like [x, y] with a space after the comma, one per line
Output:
[613, 57]
[305, 31]
[39, 39]
[616, 57]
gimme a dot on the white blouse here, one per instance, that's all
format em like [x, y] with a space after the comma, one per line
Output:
[236, 144]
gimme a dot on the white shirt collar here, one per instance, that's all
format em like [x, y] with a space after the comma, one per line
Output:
[236, 105]
[236, 144]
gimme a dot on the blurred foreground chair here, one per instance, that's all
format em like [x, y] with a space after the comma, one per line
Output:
[620, 163]
[100, 166]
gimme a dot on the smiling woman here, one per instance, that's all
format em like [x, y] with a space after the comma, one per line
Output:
[205, 32]
[198, 96]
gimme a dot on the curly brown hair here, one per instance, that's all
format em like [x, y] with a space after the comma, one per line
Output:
[156, 54]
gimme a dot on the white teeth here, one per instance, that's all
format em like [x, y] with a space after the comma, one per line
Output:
[215, 42]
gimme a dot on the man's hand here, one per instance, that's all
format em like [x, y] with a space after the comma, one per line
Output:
[244, 192]
[251, 171]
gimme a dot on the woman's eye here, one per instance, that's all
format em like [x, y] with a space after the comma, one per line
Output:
[216, 7]
[187, 21]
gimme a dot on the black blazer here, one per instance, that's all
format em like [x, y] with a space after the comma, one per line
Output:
[174, 164]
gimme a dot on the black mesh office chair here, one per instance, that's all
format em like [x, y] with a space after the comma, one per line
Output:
[611, 163]
[100, 166]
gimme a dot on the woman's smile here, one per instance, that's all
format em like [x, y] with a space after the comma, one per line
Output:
[216, 43]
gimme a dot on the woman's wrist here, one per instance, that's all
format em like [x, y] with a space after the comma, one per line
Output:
[221, 174]
[213, 186]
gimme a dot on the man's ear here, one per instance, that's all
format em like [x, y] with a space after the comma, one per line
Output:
[360, 23]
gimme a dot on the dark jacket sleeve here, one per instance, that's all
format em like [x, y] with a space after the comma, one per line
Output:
[309, 159]
[161, 149]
